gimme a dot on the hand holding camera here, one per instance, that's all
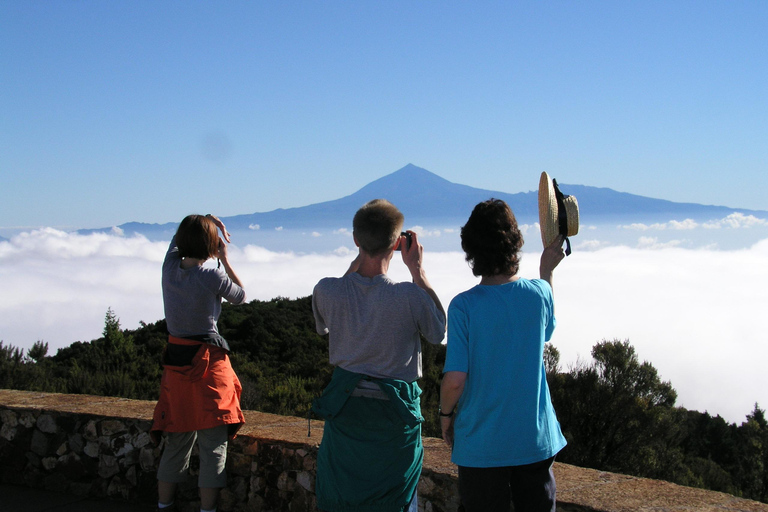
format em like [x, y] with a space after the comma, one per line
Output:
[406, 241]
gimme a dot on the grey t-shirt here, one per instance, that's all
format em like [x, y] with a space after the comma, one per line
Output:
[192, 297]
[374, 324]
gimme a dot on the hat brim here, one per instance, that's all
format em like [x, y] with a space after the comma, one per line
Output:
[548, 220]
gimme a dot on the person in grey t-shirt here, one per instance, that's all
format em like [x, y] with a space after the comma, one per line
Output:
[374, 326]
[199, 399]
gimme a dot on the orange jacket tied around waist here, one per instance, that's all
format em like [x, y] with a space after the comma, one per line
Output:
[199, 396]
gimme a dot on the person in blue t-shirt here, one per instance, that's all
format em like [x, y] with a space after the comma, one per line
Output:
[495, 408]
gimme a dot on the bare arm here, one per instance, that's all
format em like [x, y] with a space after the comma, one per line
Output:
[223, 256]
[413, 259]
[224, 259]
[550, 258]
[450, 391]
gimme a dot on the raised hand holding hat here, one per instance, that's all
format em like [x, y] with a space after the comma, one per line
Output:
[558, 213]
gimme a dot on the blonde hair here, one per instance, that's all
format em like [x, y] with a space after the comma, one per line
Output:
[377, 226]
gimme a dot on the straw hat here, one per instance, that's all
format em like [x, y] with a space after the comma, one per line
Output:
[558, 213]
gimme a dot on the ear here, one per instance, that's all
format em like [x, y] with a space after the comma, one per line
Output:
[355, 239]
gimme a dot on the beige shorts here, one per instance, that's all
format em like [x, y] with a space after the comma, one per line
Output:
[212, 444]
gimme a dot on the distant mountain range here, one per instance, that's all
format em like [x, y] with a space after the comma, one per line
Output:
[426, 199]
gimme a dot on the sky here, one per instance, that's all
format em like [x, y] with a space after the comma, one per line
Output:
[113, 112]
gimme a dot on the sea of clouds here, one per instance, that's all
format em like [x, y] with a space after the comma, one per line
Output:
[694, 313]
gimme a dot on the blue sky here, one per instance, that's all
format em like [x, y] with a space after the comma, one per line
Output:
[120, 111]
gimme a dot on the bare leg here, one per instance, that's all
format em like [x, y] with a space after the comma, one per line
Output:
[209, 497]
[166, 492]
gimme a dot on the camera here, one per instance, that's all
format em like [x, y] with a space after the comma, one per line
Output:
[407, 241]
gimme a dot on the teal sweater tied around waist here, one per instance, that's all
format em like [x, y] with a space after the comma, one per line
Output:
[371, 453]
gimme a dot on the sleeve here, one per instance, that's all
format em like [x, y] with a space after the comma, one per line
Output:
[172, 254]
[320, 326]
[430, 321]
[549, 310]
[221, 285]
[457, 353]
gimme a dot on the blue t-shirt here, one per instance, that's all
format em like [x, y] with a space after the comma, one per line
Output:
[496, 335]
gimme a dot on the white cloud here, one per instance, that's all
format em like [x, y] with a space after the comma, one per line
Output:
[426, 233]
[316, 234]
[648, 242]
[692, 313]
[254, 227]
[342, 231]
[279, 228]
[590, 245]
[680, 225]
[344, 251]
[532, 229]
[734, 221]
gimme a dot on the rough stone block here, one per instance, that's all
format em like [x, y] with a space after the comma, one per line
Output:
[309, 463]
[7, 432]
[141, 440]
[238, 464]
[108, 466]
[130, 476]
[47, 424]
[27, 419]
[147, 459]
[121, 446]
[49, 463]
[112, 427]
[306, 480]
[251, 448]
[8, 417]
[89, 431]
[286, 481]
[39, 444]
[76, 443]
[91, 449]
[117, 487]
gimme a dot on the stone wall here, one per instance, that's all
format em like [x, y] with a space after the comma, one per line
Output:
[100, 447]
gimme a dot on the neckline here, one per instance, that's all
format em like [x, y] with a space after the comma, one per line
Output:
[509, 280]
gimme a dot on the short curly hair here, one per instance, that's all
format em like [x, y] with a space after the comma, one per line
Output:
[197, 237]
[492, 240]
[377, 226]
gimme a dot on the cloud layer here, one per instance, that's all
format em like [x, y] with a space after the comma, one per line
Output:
[692, 313]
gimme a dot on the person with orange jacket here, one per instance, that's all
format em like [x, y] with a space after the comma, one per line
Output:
[200, 392]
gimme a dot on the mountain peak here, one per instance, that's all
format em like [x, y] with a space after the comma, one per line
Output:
[408, 178]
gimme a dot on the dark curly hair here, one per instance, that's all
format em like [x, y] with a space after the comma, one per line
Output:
[492, 240]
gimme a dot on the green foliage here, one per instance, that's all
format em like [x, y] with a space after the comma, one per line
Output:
[618, 415]
[38, 351]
